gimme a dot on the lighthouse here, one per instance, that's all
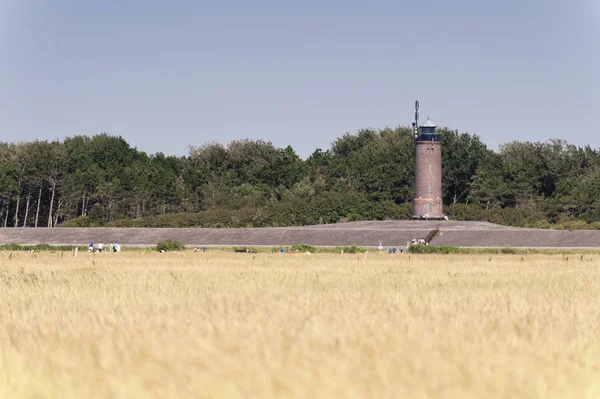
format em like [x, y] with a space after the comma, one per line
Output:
[427, 203]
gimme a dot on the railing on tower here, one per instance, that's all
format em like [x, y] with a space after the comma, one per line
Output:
[429, 137]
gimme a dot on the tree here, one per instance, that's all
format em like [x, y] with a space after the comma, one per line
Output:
[365, 175]
[379, 163]
[9, 187]
[461, 156]
[96, 216]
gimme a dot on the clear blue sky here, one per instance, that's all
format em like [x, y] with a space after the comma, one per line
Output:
[168, 74]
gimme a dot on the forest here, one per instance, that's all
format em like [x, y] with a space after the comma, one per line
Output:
[101, 180]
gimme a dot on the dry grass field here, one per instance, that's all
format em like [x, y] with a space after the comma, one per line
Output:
[223, 325]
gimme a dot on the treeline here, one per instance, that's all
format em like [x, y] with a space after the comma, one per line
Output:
[101, 180]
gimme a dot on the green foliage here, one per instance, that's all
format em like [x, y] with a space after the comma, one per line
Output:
[461, 156]
[354, 217]
[40, 247]
[96, 215]
[169, 245]
[575, 225]
[81, 221]
[8, 181]
[303, 248]
[354, 249]
[100, 180]
[245, 250]
[433, 249]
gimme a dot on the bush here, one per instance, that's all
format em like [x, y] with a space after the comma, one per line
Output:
[541, 224]
[81, 221]
[40, 247]
[432, 249]
[354, 217]
[303, 248]
[354, 249]
[249, 250]
[574, 225]
[328, 207]
[169, 245]
[11, 247]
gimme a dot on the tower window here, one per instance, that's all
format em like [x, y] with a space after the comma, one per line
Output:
[432, 150]
[430, 168]
[430, 189]
[430, 208]
[427, 150]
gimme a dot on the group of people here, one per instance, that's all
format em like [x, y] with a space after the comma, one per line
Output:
[114, 247]
[393, 250]
[414, 241]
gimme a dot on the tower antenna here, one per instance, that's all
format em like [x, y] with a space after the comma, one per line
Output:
[416, 124]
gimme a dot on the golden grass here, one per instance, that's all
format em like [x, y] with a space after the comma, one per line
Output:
[222, 325]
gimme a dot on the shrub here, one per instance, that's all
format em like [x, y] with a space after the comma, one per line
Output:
[250, 250]
[354, 249]
[541, 224]
[81, 221]
[432, 249]
[40, 247]
[574, 225]
[303, 248]
[11, 247]
[354, 217]
[169, 245]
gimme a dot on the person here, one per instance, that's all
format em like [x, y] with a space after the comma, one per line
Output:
[204, 249]
[196, 249]
[282, 250]
[117, 247]
[111, 247]
[91, 247]
[100, 247]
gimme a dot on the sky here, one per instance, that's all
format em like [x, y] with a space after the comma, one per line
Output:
[165, 75]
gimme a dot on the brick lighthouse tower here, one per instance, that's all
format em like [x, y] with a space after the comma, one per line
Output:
[428, 170]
